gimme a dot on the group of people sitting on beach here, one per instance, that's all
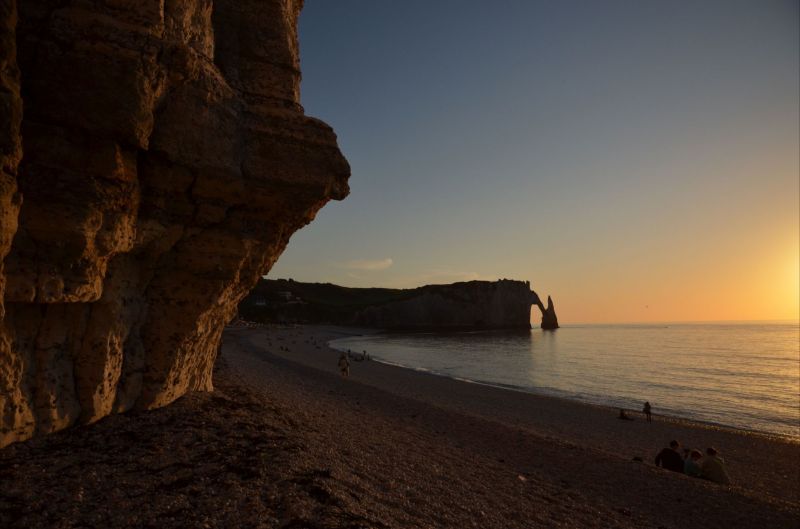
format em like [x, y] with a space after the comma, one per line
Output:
[692, 463]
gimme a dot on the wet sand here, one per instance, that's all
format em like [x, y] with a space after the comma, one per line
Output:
[284, 441]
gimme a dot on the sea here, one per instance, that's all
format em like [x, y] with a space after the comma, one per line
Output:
[743, 375]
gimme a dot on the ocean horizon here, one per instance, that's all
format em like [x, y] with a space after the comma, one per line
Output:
[744, 375]
[788, 321]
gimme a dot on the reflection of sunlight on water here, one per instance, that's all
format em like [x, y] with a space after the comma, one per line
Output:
[742, 375]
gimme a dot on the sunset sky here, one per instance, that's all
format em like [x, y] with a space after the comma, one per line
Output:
[636, 160]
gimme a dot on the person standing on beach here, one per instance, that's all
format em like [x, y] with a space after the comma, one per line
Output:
[670, 459]
[344, 365]
[713, 468]
[646, 411]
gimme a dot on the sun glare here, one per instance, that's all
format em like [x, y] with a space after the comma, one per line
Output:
[792, 282]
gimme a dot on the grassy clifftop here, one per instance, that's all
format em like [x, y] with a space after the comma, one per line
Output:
[504, 303]
[285, 300]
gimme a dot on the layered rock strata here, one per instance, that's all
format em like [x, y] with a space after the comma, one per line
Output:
[155, 161]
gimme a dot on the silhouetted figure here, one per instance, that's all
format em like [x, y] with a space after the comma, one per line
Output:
[712, 468]
[646, 411]
[344, 365]
[670, 459]
[624, 416]
[691, 466]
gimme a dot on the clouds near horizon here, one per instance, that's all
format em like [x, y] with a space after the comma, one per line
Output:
[617, 154]
[368, 265]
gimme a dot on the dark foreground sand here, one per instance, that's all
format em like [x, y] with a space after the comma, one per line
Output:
[285, 442]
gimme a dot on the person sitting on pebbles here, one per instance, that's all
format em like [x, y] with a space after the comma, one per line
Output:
[713, 468]
[691, 465]
[344, 365]
[670, 459]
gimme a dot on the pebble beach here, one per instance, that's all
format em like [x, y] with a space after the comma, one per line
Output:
[285, 441]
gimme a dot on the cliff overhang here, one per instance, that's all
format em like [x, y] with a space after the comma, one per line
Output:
[154, 161]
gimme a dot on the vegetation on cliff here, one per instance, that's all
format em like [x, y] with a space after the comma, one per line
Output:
[471, 304]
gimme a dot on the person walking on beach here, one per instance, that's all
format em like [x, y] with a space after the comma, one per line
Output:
[646, 411]
[713, 468]
[670, 459]
[344, 365]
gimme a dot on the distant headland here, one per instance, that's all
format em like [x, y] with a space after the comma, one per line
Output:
[503, 304]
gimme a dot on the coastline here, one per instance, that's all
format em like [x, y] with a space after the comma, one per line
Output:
[785, 428]
[695, 423]
[284, 441]
[581, 423]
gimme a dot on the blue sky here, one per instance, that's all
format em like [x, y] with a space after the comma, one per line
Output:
[637, 160]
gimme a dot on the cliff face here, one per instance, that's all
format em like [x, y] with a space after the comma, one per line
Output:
[549, 318]
[501, 304]
[158, 169]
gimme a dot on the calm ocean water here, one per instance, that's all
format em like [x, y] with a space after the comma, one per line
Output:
[741, 375]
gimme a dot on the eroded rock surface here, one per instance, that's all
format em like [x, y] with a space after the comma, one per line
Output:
[549, 318]
[162, 161]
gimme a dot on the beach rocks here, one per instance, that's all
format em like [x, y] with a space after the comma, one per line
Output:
[162, 162]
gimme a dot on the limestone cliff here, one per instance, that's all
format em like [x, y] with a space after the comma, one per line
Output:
[155, 161]
[504, 304]
[549, 318]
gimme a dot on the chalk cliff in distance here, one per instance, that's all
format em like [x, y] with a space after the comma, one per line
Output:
[154, 161]
[549, 318]
[504, 304]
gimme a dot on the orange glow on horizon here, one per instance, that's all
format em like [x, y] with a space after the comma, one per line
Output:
[766, 287]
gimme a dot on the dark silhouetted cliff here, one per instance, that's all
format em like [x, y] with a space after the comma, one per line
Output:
[504, 304]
